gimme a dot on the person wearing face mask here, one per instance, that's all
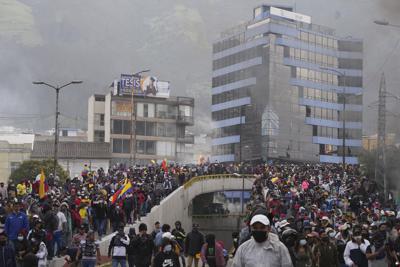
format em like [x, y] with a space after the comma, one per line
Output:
[167, 256]
[303, 253]
[355, 252]
[21, 248]
[15, 222]
[263, 248]
[7, 253]
[326, 252]
[332, 236]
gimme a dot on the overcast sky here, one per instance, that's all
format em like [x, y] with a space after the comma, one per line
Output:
[96, 40]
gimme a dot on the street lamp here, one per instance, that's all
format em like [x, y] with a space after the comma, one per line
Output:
[57, 88]
[385, 23]
[133, 146]
[342, 74]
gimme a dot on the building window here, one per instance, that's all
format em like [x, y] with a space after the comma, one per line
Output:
[146, 147]
[99, 136]
[14, 166]
[121, 127]
[121, 108]
[165, 148]
[121, 146]
[99, 119]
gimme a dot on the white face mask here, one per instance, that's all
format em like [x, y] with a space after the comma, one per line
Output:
[332, 234]
[167, 248]
[20, 238]
[303, 242]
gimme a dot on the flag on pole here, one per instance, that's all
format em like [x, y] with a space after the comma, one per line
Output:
[114, 197]
[42, 189]
[124, 189]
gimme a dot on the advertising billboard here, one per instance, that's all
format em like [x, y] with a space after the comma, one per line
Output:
[148, 86]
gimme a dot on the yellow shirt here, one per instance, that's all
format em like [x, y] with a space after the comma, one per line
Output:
[83, 213]
[21, 189]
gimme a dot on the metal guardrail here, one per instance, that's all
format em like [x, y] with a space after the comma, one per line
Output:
[185, 119]
[214, 177]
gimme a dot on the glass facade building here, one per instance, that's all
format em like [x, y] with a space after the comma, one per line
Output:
[282, 88]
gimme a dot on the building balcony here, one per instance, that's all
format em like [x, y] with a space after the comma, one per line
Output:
[187, 101]
[187, 139]
[188, 120]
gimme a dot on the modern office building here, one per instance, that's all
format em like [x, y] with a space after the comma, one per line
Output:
[282, 88]
[158, 129]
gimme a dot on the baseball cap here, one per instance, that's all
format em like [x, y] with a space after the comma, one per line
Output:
[259, 218]
[283, 223]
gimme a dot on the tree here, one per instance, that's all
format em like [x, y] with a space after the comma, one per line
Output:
[29, 169]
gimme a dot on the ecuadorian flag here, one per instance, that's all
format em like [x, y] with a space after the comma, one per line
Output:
[122, 191]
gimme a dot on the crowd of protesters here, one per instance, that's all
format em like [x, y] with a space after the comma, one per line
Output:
[318, 215]
[299, 215]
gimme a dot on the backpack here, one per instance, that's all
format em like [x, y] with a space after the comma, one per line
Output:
[51, 221]
[210, 256]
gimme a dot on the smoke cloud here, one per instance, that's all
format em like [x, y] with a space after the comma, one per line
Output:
[96, 40]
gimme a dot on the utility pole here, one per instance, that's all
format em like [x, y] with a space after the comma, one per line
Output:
[380, 164]
[133, 147]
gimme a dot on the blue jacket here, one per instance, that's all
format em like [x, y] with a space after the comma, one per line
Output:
[7, 256]
[15, 222]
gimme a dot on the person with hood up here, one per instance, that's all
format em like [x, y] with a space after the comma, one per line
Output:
[167, 257]
[212, 253]
[193, 243]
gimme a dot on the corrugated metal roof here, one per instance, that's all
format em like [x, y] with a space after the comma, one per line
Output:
[71, 150]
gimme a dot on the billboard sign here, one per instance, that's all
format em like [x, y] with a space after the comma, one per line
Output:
[148, 86]
[290, 15]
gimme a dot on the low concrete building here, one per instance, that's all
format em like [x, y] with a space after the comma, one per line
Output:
[72, 156]
[158, 129]
[14, 149]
